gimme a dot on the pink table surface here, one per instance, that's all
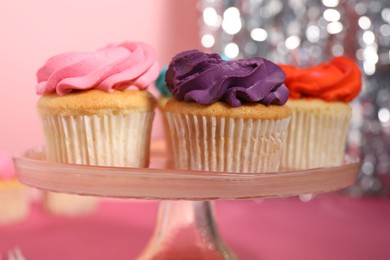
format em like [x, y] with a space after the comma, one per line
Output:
[328, 227]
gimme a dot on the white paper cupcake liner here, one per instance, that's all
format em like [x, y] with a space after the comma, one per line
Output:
[167, 136]
[315, 140]
[226, 144]
[103, 139]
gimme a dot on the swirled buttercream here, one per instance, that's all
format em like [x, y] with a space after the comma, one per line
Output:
[336, 80]
[115, 67]
[194, 76]
[161, 85]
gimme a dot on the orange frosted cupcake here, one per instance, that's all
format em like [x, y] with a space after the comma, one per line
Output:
[14, 196]
[321, 115]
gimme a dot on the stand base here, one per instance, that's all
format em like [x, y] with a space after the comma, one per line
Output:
[186, 230]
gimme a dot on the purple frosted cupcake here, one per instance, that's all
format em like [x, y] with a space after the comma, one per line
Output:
[226, 116]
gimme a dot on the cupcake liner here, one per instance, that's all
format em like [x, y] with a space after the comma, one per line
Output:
[102, 139]
[315, 140]
[14, 204]
[161, 104]
[226, 144]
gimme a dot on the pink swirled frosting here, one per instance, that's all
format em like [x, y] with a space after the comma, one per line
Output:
[115, 67]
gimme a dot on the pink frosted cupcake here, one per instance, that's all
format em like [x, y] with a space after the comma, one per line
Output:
[14, 196]
[96, 110]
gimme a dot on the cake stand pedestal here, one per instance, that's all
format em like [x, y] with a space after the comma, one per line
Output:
[186, 227]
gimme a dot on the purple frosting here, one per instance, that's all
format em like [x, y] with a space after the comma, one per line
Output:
[194, 76]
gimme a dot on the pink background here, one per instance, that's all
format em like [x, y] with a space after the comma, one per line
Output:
[32, 31]
[36, 30]
[330, 227]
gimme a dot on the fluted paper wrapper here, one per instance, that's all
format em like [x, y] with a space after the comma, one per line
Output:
[315, 140]
[103, 139]
[161, 103]
[226, 144]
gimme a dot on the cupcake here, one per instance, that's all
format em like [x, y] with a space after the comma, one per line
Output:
[226, 116]
[14, 196]
[165, 96]
[95, 108]
[321, 115]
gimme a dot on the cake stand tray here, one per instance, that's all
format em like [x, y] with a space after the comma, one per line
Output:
[185, 227]
[161, 183]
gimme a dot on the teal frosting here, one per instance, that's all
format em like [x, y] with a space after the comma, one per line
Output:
[161, 85]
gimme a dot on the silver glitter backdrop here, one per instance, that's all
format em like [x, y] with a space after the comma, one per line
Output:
[307, 32]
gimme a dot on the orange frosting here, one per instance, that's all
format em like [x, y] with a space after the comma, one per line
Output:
[336, 80]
